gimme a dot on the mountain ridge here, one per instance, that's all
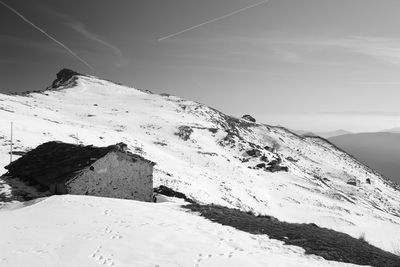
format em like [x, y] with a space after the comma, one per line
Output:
[211, 157]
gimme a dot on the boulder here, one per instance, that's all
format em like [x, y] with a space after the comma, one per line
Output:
[253, 152]
[274, 166]
[270, 149]
[291, 159]
[260, 165]
[352, 182]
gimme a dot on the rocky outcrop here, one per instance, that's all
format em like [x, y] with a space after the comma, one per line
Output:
[260, 165]
[248, 118]
[169, 192]
[353, 182]
[276, 167]
[272, 166]
[184, 132]
[292, 159]
[65, 79]
[253, 153]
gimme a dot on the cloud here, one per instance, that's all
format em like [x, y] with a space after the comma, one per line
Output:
[286, 54]
[317, 49]
[383, 83]
[47, 35]
[213, 20]
[384, 49]
[358, 113]
[80, 28]
[328, 121]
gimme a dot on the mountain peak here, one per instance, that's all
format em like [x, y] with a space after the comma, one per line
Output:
[65, 78]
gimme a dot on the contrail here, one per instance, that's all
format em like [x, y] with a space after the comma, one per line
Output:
[48, 35]
[213, 20]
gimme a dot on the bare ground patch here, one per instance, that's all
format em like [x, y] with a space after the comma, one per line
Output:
[327, 243]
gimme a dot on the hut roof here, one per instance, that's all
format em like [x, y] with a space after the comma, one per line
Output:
[56, 162]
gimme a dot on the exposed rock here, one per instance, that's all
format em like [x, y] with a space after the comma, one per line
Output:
[248, 118]
[166, 191]
[160, 143]
[213, 130]
[253, 152]
[274, 166]
[368, 181]
[284, 168]
[65, 78]
[292, 159]
[207, 153]
[277, 168]
[260, 165]
[184, 132]
[352, 182]
[270, 149]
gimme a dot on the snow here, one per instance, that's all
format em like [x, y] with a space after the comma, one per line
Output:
[205, 168]
[92, 231]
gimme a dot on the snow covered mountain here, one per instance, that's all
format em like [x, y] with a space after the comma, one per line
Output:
[210, 156]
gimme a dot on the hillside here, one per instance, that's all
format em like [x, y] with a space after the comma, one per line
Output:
[209, 156]
[378, 150]
[92, 231]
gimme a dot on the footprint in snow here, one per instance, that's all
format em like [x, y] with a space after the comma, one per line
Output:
[201, 257]
[107, 212]
[116, 236]
[101, 259]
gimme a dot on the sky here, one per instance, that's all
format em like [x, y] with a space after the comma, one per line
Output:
[313, 65]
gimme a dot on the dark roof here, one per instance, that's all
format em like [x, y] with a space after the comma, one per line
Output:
[56, 162]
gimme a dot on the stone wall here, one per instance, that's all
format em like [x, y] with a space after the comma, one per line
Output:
[115, 175]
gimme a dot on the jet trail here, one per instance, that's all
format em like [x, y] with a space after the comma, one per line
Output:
[48, 35]
[213, 20]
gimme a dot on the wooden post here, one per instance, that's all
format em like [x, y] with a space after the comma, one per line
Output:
[11, 143]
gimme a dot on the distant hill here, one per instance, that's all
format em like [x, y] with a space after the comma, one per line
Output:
[325, 135]
[380, 151]
[332, 133]
[392, 130]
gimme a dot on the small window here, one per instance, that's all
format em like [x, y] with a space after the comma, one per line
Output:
[91, 168]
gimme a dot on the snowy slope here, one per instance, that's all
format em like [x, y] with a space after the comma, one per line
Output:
[91, 231]
[202, 152]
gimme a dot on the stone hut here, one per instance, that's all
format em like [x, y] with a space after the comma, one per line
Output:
[86, 170]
